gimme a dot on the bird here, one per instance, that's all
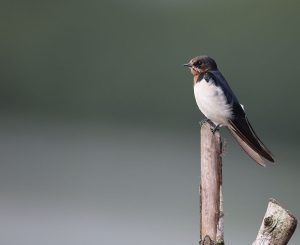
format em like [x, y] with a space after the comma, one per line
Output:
[221, 107]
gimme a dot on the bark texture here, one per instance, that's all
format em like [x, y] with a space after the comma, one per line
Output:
[277, 227]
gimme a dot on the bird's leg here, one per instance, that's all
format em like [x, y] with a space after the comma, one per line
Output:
[213, 127]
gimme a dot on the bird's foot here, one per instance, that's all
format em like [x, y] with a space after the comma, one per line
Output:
[213, 127]
[206, 120]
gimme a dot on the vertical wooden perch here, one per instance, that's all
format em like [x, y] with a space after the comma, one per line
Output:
[211, 203]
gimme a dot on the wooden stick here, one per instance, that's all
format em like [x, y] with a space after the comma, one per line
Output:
[277, 227]
[211, 180]
[220, 227]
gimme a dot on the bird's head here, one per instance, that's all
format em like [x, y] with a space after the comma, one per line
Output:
[201, 64]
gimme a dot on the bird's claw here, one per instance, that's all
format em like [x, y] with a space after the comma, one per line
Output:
[213, 127]
[206, 120]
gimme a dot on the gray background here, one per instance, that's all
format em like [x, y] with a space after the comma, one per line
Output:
[99, 128]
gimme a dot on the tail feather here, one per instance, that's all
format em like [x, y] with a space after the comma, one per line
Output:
[244, 134]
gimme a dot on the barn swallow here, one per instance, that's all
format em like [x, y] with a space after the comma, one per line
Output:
[219, 104]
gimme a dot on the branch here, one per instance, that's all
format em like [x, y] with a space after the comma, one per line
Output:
[277, 227]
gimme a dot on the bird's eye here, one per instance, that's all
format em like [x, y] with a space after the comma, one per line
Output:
[198, 64]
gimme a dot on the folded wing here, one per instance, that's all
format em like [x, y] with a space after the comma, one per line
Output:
[244, 134]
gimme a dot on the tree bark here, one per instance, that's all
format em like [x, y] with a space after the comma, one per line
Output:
[277, 227]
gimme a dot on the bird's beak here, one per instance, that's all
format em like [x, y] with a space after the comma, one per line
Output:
[187, 65]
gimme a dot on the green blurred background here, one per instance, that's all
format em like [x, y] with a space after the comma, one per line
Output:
[99, 128]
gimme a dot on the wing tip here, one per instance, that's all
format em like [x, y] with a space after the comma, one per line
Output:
[269, 157]
[257, 156]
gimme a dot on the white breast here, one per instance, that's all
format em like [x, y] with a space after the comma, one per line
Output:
[212, 102]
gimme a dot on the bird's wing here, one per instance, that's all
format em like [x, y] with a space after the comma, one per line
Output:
[239, 125]
[243, 132]
[253, 154]
[220, 81]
